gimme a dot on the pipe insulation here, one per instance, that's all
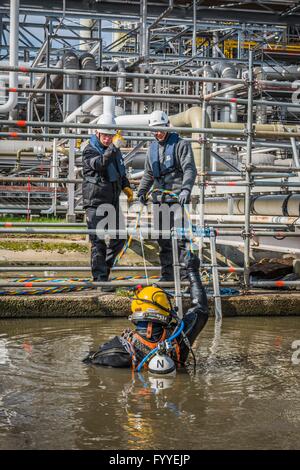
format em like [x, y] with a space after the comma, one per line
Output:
[88, 62]
[71, 82]
[192, 117]
[287, 205]
[13, 55]
[95, 105]
[227, 70]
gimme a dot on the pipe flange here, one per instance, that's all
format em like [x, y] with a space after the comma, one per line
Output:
[285, 188]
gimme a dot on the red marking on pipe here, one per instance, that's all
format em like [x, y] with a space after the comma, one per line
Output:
[23, 69]
[13, 134]
[12, 90]
[8, 224]
[233, 100]
[28, 284]
[279, 283]
[231, 183]
[279, 234]
[217, 232]
[21, 123]
[231, 269]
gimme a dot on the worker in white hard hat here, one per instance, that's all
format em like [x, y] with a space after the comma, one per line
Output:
[104, 177]
[169, 166]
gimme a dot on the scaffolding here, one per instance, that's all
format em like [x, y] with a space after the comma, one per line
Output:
[230, 88]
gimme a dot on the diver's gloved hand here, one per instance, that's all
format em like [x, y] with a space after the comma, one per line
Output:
[143, 198]
[184, 197]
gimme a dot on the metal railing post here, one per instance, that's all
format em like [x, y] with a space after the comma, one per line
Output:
[215, 275]
[248, 177]
[71, 186]
[176, 267]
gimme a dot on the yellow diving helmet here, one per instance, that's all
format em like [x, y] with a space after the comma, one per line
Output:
[151, 304]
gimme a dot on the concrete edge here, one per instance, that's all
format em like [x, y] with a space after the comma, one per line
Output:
[91, 305]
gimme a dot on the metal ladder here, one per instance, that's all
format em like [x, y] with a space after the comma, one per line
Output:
[211, 233]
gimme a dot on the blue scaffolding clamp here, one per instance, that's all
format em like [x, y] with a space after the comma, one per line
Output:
[196, 231]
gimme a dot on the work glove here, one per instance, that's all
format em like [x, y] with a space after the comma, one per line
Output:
[110, 152]
[118, 140]
[129, 193]
[184, 197]
[143, 199]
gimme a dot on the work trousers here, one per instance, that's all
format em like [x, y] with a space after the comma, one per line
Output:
[171, 219]
[103, 252]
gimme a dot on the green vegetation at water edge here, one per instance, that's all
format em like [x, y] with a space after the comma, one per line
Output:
[39, 245]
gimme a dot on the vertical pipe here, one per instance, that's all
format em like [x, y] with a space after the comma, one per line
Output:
[48, 33]
[176, 267]
[54, 175]
[157, 88]
[85, 34]
[100, 43]
[142, 90]
[248, 177]
[202, 175]
[215, 275]
[71, 186]
[143, 29]
[194, 40]
[29, 112]
[13, 55]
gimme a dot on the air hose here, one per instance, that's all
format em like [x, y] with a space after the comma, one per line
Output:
[176, 333]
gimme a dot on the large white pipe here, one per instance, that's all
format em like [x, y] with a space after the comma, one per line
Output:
[133, 120]
[85, 34]
[13, 55]
[4, 80]
[94, 106]
[15, 145]
[268, 205]
[191, 117]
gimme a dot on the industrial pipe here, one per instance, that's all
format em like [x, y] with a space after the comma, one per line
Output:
[105, 92]
[13, 55]
[193, 118]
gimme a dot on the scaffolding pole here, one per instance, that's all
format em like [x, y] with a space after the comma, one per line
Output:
[247, 233]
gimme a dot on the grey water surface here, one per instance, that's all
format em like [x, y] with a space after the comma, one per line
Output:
[245, 393]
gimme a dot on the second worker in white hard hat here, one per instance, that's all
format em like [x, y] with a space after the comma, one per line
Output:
[169, 166]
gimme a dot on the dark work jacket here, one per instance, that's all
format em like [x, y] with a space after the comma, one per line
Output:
[181, 174]
[97, 188]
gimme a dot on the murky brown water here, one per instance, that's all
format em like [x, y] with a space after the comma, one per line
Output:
[245, 393]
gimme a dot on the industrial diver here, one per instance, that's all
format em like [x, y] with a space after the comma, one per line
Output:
[160, 341]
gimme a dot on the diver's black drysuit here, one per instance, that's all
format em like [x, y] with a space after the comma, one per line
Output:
[116, 353]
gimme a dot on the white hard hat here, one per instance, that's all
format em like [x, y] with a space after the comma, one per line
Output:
[107, 120]
[158, 118]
